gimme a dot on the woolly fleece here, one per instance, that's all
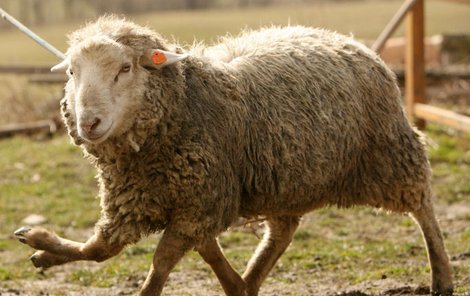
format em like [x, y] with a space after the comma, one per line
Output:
[275, 122]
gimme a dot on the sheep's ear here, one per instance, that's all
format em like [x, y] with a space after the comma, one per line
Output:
[157, 58]
[61, 67]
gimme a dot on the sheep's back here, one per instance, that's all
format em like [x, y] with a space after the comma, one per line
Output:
[324, 123]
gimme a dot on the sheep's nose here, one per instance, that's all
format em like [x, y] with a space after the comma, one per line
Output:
[90, 125]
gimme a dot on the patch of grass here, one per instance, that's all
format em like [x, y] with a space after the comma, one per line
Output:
[4, 274]
[139, 250]
[83, 277]
[103, 278]
[23, 102]
[48, 178]
[450, 159]
[448, 149]
[403, 273]
[302, 235]
[237, 238]
[407, 223]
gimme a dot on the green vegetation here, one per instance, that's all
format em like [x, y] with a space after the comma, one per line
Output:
[451, 159]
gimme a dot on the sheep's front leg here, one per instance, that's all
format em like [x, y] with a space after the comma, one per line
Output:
[230, 280]
[170, 250]
[54, 250]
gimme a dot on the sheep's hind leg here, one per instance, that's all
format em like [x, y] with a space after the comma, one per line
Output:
[230, 280]
[278, 236]
[54, 250]
[438, 259]
[170, 250]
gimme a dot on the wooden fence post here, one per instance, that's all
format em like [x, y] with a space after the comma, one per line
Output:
[414, 59]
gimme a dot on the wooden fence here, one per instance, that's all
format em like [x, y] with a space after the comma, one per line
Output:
[416, 104]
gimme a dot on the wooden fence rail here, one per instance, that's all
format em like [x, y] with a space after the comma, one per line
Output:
[442, 116]
[5, 69]
[391, 27]
[415, 94]
[47, 126]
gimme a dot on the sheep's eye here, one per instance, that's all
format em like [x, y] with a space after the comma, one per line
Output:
[126, 68]
[71, 72]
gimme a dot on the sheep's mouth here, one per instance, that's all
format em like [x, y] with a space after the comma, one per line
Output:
[98, 138]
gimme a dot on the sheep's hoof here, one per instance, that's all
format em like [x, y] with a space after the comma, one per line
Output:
[35, 260]
[19, 233]
[42, 259]
[446, 292]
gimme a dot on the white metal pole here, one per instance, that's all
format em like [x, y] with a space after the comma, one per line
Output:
[31, 34]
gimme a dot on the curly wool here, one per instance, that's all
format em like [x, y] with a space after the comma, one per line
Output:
[273, 122]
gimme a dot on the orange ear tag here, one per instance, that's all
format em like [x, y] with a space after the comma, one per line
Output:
[158, 58]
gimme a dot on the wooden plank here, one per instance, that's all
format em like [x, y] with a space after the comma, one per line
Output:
[22, 69]
[460, 1]
[392, 26]
[439, 73]
[9, 130]
[414, 61]
[442, 116]
[51, 78]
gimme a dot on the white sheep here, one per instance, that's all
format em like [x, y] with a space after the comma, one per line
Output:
[273, 123]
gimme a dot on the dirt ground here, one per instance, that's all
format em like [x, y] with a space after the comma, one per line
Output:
[198, 284]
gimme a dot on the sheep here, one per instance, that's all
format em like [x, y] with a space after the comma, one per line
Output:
[272, 123]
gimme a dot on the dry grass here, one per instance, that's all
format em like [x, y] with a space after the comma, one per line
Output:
[24, 102]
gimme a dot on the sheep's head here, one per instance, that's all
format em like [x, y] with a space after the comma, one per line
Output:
[106, 84]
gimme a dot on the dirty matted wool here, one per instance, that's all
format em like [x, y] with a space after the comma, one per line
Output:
[273, 122]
